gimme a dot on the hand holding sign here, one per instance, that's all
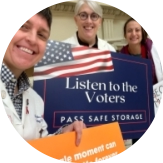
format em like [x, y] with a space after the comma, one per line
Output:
[76, 126]
[97, 144]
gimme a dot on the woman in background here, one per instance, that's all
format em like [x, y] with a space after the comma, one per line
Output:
[141, 46]
[88, 18]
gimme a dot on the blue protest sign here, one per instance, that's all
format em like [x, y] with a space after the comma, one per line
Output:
[117, 89]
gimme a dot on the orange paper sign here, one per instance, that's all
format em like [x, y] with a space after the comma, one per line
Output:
[98, 143]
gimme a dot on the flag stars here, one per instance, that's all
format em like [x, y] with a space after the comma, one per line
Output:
[56, 52]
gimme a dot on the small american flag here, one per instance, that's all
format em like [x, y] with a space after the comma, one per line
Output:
[65, 60]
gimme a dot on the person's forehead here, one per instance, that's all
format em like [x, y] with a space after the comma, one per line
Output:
[85, 8]
[133, 24]
[39, 21]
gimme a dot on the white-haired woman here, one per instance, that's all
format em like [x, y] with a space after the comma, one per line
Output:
[88, 18]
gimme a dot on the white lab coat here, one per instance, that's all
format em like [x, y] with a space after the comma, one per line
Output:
[32, 121]
[102, 44]
[157, 63]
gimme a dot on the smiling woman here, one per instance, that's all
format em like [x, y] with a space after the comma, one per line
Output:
[28, 45]
[88, 18]
[140, 45]
[23, 105]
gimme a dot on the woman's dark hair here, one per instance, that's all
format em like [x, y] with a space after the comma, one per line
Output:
[46, 13]
[144, 33]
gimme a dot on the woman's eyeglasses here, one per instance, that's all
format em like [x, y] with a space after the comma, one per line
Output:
[84, 16]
